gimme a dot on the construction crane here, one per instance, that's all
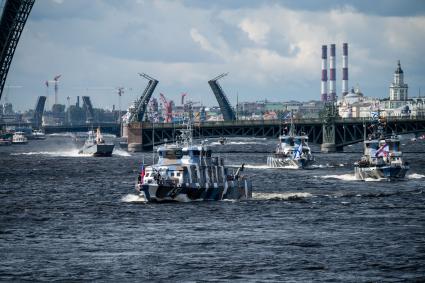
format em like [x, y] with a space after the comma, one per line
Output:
[56, 83]
[168, 108]
[183, 95]
[56, 80]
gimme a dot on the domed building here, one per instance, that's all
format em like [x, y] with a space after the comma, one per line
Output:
[354, 103]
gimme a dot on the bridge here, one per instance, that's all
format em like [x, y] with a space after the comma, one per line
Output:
[144, 135]
[110, 128]
[14, 16]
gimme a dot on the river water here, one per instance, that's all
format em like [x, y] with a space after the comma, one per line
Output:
[76, 218]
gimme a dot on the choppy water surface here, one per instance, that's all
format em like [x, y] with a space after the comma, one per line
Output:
[69, 217]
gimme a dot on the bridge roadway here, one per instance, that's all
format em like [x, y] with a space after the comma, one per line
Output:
[347, 131]
[110, 128]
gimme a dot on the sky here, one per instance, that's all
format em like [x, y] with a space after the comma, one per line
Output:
[271, 49]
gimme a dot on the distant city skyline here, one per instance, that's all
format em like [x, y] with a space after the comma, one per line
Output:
[271, 49]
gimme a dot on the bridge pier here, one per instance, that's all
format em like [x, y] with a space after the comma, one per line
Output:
[329, 145]
[134, 137]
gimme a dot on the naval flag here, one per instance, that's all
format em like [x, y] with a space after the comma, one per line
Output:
[298, 151]
[382, 151]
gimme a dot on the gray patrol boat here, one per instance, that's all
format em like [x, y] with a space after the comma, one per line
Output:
[382, 158]
[187, 172]
[96, 145]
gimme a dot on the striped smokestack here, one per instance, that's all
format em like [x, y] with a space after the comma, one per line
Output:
[324, 89]
[332, 77]
[344, 68]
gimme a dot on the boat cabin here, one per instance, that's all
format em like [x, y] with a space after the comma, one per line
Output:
[383, 150]
[293, 141]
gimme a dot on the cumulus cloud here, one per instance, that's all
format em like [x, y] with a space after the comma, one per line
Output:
[257, 31]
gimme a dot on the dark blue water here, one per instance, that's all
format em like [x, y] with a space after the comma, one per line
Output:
[67, 217]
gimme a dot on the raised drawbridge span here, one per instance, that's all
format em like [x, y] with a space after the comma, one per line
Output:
[13, 18]
[223, 101]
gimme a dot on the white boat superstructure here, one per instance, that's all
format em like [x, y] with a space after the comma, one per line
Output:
[19, 138]
[292, 151]
[38, 135]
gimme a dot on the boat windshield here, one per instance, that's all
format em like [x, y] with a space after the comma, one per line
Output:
[394, 145]
[170, 153]
[287, 140]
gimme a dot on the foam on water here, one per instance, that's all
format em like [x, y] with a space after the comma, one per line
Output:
[120, 152]
[235, 143]
[349, 177]
[343, 177]
[327, 165]
[60, 135]
[415, 176]
[133, 198]
[280, 196]
[64, 153]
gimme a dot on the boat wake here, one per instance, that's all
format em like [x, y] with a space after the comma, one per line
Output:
[68, 153]
[349, 177]
[60, 135]
[233, 143]
[343, 177]
[415, 176]
[132, 198]
[280, 196]
[120, 152]
[327, 165]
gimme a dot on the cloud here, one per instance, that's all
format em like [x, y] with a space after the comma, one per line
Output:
[257, 31]
[270, 49]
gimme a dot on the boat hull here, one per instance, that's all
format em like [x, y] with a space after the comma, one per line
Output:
[381, 172]
[98, 150]
[233, 190]
[5, 142]
[279, 162]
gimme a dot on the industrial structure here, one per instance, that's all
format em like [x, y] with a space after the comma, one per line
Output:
[168, 108]
[324, 85]
[332, 75]
[14, 16]
[223, 102]
[344, 69]
[329, 94]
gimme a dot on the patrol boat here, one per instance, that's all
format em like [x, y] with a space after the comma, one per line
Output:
[96, 146]
[187, 172]
[291, 151]
[382, 158]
